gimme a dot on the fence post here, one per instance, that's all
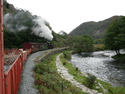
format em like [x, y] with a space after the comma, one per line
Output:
[2, 88]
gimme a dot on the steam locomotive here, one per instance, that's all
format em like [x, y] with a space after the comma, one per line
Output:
[37, 46]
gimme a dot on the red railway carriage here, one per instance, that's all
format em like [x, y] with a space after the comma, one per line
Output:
[35, 46]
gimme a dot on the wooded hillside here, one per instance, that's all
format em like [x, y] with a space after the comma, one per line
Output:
[21, 26]
[94, 29]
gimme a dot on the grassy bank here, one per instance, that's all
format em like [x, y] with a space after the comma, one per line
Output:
[48, 81]
[84, 80]
[119, 57]
[78, 76]
[98, 47]
[111, 89]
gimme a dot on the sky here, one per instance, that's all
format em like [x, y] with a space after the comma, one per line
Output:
[66, 15]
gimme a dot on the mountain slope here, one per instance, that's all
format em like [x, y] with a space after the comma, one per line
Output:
[8, 8]
[21, 26]
[94, 29]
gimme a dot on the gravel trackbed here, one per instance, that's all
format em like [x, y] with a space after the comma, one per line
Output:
[27, 79]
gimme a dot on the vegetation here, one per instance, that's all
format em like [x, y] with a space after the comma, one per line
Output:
[98, 47]
[67, 55]
[8, 8]
[61, 40]
[98, 41]
[48, 81]
[94, 29]
[88, 82]
[15, 37]
[119, 57]
[111, 89]
[82, 43]
[115, 35]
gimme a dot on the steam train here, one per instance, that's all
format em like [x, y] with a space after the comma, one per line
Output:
[37, 46]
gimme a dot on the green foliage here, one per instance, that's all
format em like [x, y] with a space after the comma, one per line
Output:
[78, 44]
[119, 57]
[67, 55]
[89, 82]
[8, 8]
[82, 43]
[61, 40]
[115, 35]
[15, 37]
[111, 89]
[94, 29]
[64, 63]
[51, 82]
[98, 47]
[98, 41]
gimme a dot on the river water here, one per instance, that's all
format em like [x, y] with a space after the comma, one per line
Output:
[101, 65]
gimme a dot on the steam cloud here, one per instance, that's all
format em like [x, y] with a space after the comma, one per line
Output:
[12, 22]
[41, 29]
[23, 20]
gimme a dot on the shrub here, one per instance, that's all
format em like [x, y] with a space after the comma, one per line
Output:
[67, 55]
[76, 69]
[89, 82]
[64, 63]
[51, 82]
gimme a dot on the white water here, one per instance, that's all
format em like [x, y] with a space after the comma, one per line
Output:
[102, 66]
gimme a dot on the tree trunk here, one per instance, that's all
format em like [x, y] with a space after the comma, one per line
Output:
[118, 52]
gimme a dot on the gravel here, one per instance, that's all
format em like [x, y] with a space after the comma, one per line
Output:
[27, 79]
[6, 68]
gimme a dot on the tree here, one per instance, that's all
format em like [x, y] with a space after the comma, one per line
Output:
[114, 38]
[82, 43]
[88, 43]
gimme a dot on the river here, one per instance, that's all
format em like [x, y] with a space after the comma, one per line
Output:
[101, 65]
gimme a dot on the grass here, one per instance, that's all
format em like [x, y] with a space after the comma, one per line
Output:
[48, 81]
[77, 76]
[111, 89]
[119, 57]
[98, 47]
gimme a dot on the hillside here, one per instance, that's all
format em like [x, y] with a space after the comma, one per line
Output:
[8, 8]
[94, 29]
[21, 26]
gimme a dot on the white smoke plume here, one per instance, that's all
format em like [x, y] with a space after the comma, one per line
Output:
[41, 29]
[12, 23]
[23, 20]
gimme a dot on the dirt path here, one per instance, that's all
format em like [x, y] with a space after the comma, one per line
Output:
[64, 74]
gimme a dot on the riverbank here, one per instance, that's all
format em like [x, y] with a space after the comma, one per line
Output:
[100, 54]
[48, 81]
[81, 77]
[119, 57]
[96, 47]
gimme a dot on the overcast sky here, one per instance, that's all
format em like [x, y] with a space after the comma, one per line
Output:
[68, 14]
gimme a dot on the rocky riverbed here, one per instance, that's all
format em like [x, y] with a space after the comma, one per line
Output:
[102, 66]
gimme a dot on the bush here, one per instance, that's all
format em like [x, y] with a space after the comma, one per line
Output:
[67, 55]
[76, 69]
[64, 63]
[90, 81]
[51, 82]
